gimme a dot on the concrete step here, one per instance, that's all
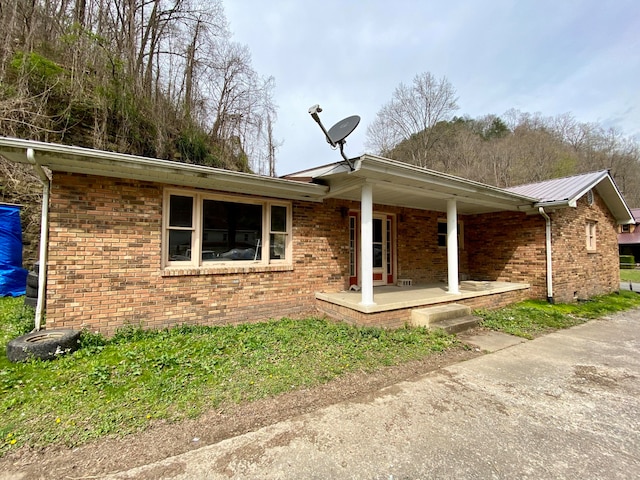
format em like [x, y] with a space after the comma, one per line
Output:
[424, 317]
[456, 325]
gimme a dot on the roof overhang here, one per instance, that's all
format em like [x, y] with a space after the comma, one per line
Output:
[403, 185]
[605, 186]
[64, 158]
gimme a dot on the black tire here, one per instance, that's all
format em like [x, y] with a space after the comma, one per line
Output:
[31, 301]
[32, 280]
[43, 345]
[32, 291]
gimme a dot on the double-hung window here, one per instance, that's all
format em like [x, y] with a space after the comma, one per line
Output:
[208, 231]
[442, 233]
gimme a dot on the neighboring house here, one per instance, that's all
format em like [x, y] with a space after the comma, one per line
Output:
[629, 237]
[134, 240]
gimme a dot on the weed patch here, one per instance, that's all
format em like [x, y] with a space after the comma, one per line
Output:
[123, 384]
[532, 318]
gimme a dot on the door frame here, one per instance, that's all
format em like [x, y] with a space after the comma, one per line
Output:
[386, 274]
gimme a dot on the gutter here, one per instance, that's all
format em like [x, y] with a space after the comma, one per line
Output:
[44, 237]
[548, 252]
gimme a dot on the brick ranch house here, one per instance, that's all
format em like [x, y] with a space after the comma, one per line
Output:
[143, 241]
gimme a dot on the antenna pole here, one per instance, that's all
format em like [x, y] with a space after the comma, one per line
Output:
[344, 129]
[341, 143]
[313, 111]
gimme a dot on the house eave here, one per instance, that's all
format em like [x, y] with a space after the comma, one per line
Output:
[71, 159]
[403, 185]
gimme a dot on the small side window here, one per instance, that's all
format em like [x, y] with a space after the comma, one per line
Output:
[442, 234]
[181, 228]
[278, 234]
[591, 236]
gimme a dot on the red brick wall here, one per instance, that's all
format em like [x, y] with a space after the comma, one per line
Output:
[419, 256]
[509, 246]
[104, 267]
[577, 273]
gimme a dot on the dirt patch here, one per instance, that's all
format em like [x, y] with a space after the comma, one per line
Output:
[162, 439]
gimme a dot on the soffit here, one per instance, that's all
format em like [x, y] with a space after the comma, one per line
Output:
[399, 184]
[63, 158]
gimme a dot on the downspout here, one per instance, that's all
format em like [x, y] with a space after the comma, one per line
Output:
[548, 251]
[44, 237]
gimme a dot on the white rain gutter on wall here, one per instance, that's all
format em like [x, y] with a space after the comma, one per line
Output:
[72, 159]
[548, 252]
[44, 237]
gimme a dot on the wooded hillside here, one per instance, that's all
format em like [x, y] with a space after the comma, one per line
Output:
[159, 78]
[164, 79]
[418, 126]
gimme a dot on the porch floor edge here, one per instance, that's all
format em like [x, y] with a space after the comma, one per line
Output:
[392, 297]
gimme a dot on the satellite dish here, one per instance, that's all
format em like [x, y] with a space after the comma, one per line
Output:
[343, 128]
[339, 132]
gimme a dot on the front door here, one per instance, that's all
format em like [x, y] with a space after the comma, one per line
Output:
[383, 249]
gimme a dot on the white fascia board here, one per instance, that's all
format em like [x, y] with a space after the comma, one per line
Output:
[65, 158]
[369, 163]
[608, 190]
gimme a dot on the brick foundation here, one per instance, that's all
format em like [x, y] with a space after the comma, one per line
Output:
[401, 317]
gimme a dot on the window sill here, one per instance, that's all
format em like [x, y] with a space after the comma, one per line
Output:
[175, 271]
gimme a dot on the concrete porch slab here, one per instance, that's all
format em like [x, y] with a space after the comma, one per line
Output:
[391, 297]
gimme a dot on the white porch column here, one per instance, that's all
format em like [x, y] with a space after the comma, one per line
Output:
[452, 246]
[366, 244]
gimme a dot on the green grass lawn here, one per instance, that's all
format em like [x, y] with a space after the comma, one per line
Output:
[535, 317]
[627, 275]
[122, 385]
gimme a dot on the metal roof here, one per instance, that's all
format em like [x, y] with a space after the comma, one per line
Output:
[629, 238]
[563, 192]
[561, 189]
[395, 183]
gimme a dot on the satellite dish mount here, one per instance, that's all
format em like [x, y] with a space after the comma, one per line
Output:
[336, 135]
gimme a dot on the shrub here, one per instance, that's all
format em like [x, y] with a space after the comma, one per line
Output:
[627, 261]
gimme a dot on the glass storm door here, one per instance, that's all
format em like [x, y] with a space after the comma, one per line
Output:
[382, 245]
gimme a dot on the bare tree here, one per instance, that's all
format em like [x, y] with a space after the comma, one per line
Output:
[411, 116]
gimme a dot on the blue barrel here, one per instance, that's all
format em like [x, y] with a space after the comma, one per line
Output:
[13, 278]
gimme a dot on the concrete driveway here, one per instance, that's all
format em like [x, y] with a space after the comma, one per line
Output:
[630, 286]
[566, 405]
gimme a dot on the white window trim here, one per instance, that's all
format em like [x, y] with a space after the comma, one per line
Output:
[196, 263]
[591, 229]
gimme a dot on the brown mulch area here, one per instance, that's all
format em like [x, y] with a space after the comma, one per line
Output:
[162, 439]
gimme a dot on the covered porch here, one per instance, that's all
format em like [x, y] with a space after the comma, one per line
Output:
[406, 222]
[393, 304]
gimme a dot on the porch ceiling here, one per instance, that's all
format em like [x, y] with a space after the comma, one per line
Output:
[403, 185]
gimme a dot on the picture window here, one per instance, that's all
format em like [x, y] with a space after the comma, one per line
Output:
[208, 231]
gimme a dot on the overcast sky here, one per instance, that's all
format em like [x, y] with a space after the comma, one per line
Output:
[542, 56]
